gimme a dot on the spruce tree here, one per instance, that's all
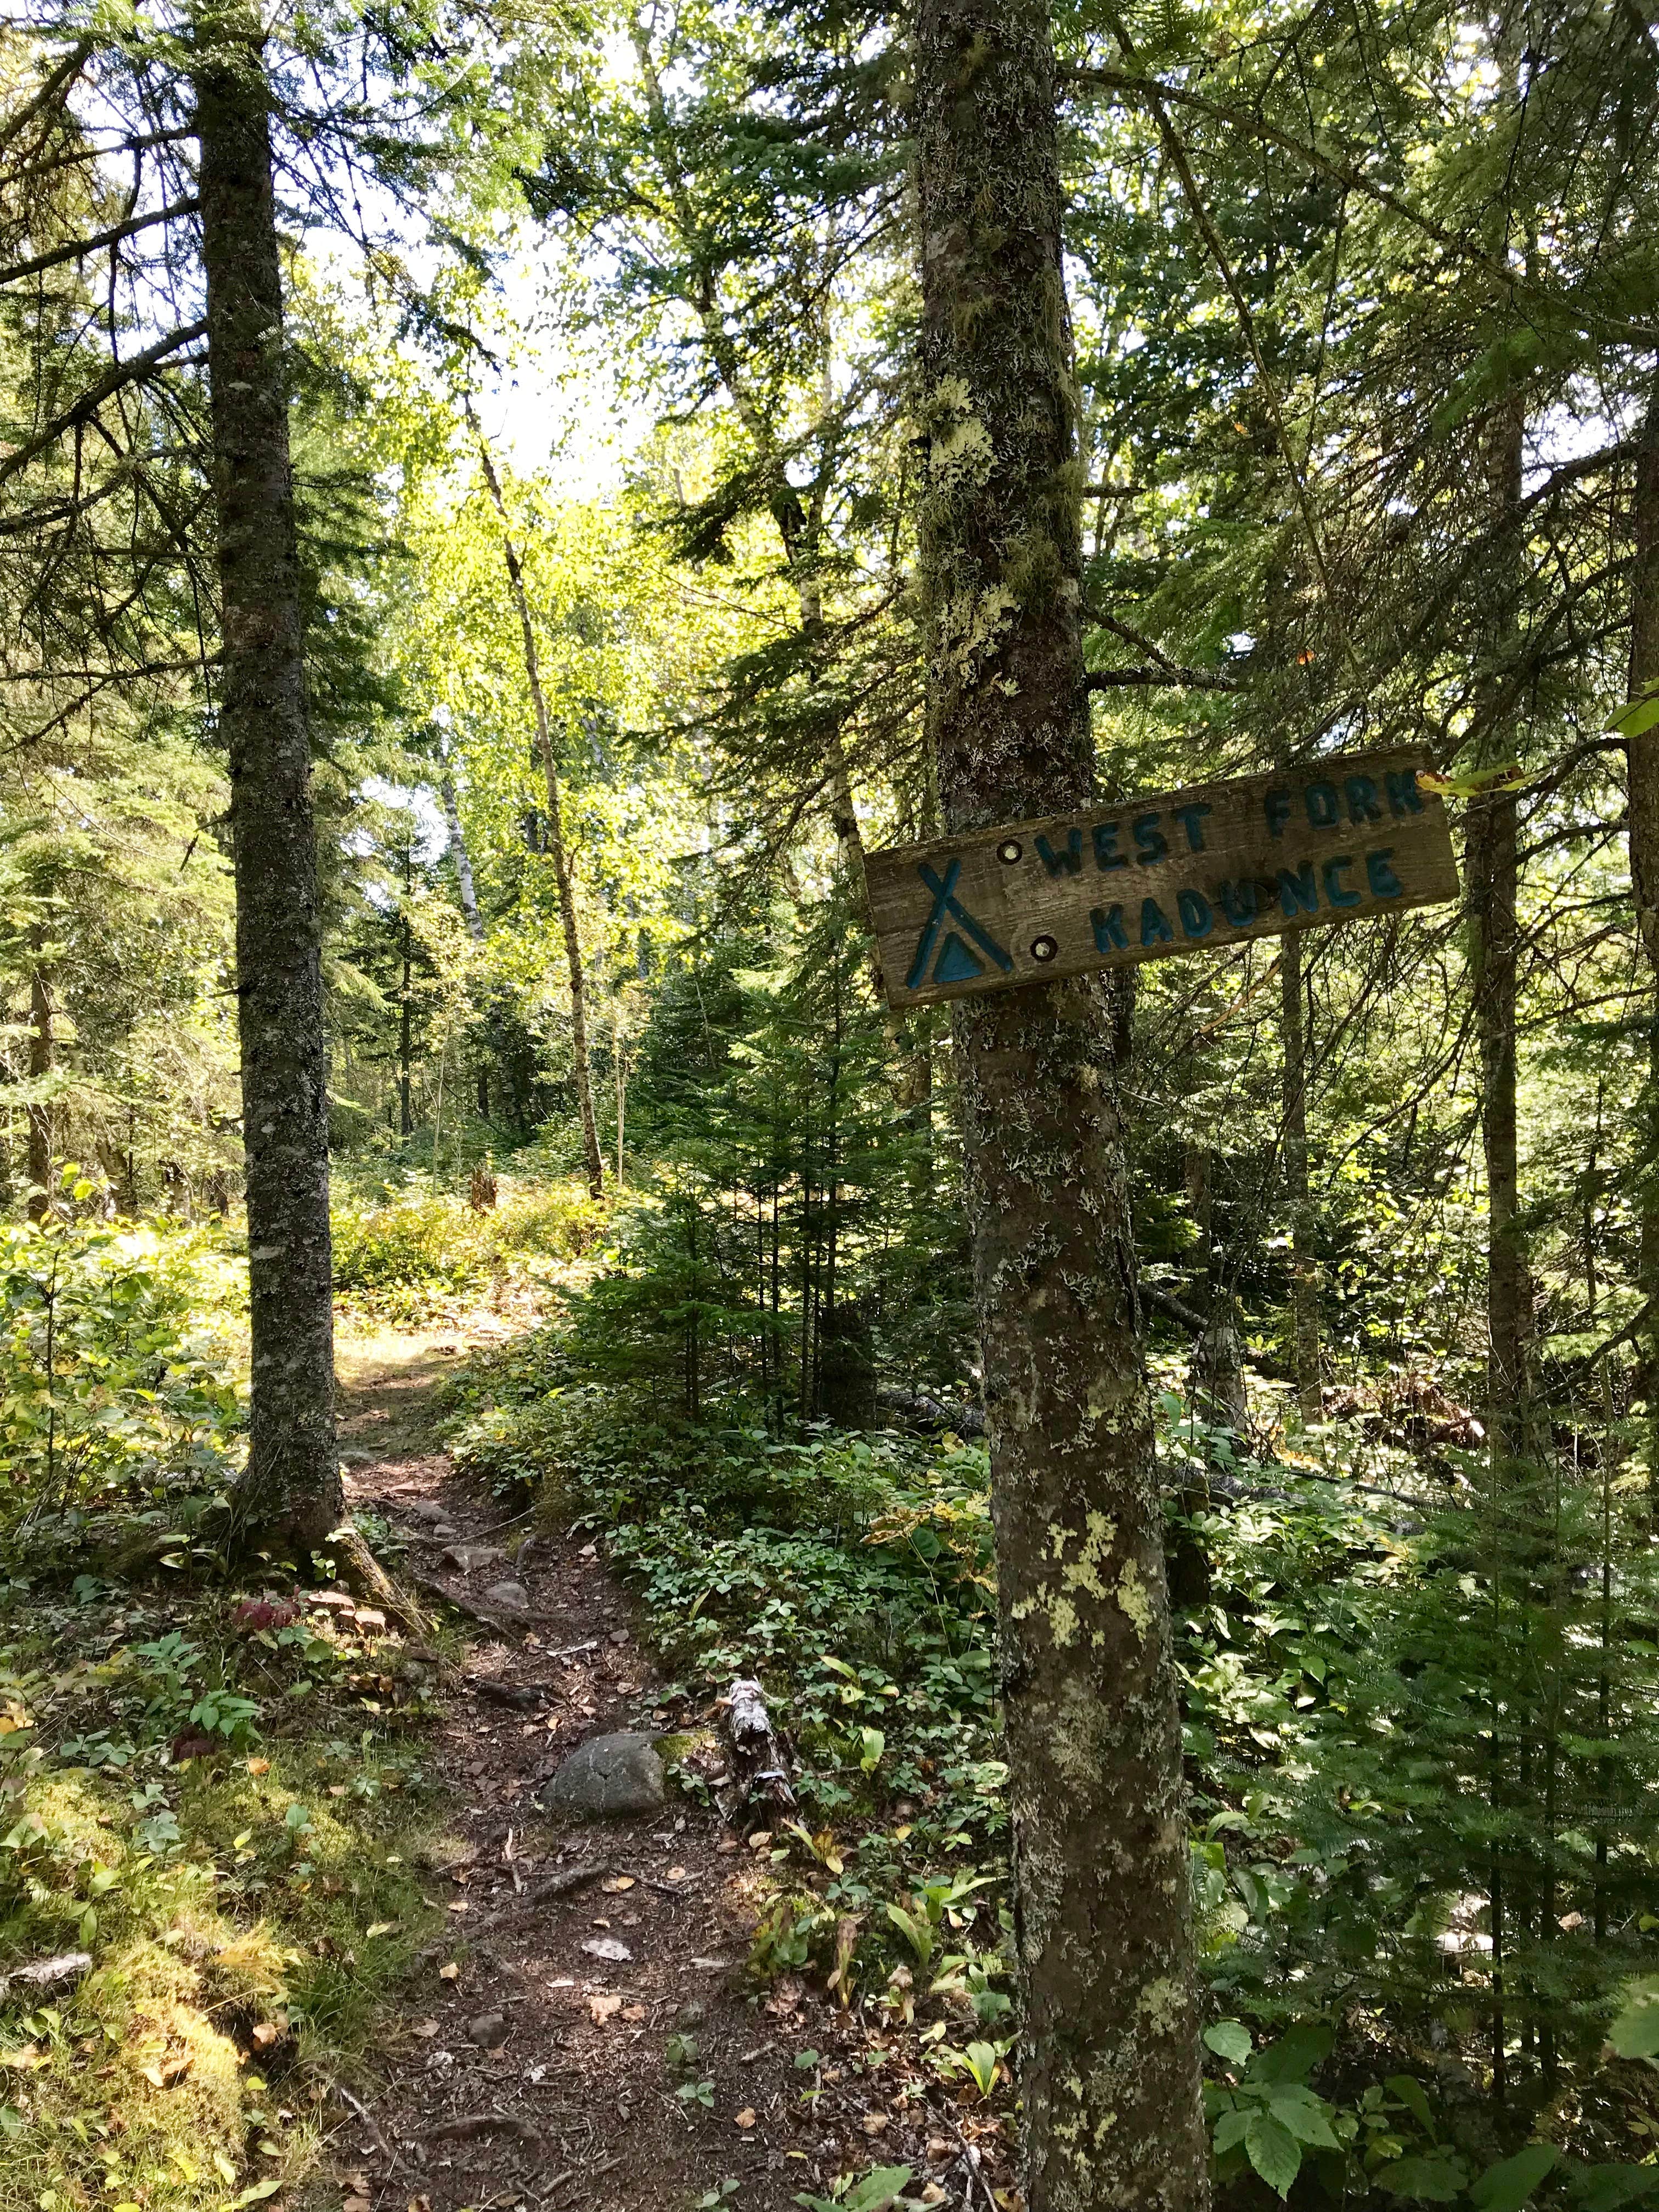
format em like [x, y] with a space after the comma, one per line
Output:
[1110, 2071]
[293, 1474]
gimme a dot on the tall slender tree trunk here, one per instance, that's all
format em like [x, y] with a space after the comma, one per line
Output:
[575, 969]
[475, 928]
[1109, 2074]
[406, 1037]
[1490, 851]
[293, 1474]
[1494, 867]
[1305, 1277]
[1642, 753]
[41, 1047]
[462, 859]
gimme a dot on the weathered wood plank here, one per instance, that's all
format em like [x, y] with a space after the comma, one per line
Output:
[1332, 840]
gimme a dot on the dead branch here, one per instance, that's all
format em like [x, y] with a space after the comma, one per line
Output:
[757, 1756]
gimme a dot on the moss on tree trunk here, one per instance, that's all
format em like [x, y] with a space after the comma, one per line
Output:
[1642, 754]
[293, 1476]
[1108, 2066]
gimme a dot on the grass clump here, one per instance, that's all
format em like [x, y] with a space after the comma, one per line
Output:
[221, 1820]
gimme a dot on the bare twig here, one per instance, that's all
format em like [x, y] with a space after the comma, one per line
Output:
[388, 2151]
[484, 2123]
[970, 2159]
[563, 1884]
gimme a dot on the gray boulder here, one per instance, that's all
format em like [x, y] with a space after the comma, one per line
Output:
[609, 1777]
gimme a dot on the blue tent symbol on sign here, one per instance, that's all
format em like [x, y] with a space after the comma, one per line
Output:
[956, 962]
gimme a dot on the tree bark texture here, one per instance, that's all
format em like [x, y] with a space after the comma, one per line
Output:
[40, 1059]
[462, 859]
[575, 971]
[1494, 868]
[1304, 1266]
[1108, 2067]
[1642, 752]
[293, 1474]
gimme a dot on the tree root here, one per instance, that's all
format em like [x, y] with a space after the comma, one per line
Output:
[361, 1572]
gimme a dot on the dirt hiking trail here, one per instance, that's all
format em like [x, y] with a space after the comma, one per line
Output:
[533, 2064]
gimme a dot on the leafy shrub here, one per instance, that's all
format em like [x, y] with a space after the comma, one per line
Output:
[112, 1392]
[415, 1250]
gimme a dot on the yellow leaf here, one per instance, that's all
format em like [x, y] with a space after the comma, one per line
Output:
[1511, 777]
[449, 1972]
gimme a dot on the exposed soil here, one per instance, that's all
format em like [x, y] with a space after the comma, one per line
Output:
[577, 2107]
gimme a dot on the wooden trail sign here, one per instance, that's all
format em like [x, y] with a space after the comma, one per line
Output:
[1331, 839]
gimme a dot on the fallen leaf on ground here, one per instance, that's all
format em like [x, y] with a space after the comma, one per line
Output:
[604, 2008]
[266, 2033]
[449, 1972]
[618, 1883]
[426, 2029]
[633, 2012]
[746, 2116]
[760, 1839]
[258, 1766]
[607, 1948]
[875, 2124]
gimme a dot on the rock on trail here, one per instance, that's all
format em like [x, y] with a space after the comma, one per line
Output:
[617, 1777]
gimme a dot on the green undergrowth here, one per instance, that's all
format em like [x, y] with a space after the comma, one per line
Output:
[220, 1801]
[1340, 1676]
[119, 1415]
[411, 1251]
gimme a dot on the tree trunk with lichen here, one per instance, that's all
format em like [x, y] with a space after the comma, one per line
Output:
[1491, 856]
[293, 1475]
[41, 1060]
[1108, 2069]
[1641, 751]
[1304, 1266]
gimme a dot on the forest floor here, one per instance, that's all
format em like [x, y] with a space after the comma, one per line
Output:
[524, 2068]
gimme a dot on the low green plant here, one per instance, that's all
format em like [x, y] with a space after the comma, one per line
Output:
[879, 2190]
[115, 1398]
[411, 1250]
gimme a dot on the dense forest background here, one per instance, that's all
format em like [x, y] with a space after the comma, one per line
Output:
[601, 327]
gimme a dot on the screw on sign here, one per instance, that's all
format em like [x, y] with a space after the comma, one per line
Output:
[1332, 839]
